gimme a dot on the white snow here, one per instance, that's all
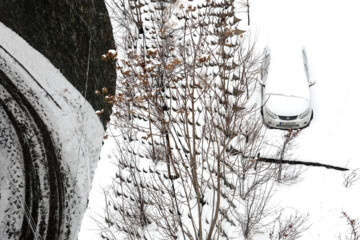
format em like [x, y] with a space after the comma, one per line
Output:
[328, 30]
[74, 127]
[286, 105]
[286, 73]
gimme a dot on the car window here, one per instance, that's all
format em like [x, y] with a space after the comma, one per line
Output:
[306, 65]
[265, 65]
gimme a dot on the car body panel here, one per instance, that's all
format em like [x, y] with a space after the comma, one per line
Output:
[286, 91]
[287, 124]
[284, 105]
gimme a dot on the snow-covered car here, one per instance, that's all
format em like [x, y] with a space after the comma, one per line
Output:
[285, 81]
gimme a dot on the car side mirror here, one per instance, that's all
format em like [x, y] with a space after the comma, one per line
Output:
[261, 82]
[312, 83]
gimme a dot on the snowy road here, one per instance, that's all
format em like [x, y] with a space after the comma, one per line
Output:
[50, 139]
[44, 189]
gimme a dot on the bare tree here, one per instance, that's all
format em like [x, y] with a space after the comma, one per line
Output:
[351, 177]
[186, 125]
[288, 174]
[256, 210]
[289, 228]
[246, 5]
[353, 233]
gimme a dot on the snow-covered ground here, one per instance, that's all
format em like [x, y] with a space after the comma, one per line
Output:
[328, 30]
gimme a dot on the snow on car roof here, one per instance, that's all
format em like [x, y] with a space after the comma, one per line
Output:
[286, 73]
